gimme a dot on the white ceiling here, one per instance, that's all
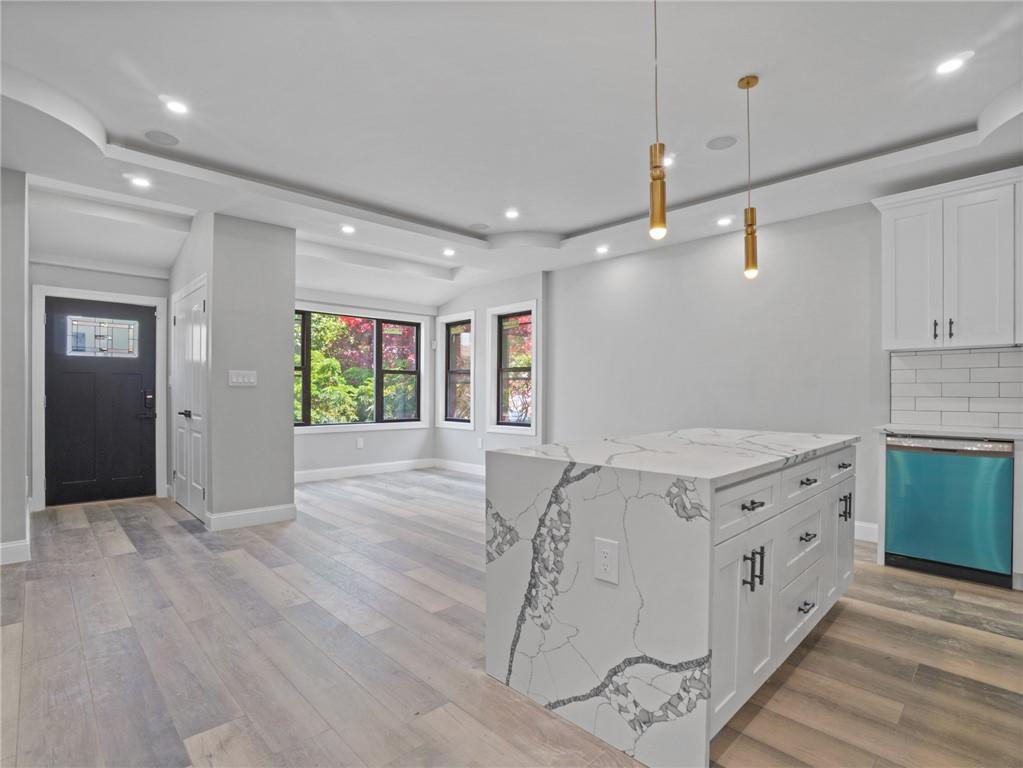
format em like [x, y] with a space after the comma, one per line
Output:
[418, 120]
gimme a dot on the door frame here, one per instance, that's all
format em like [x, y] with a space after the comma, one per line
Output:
[198, 282]
[39, 295]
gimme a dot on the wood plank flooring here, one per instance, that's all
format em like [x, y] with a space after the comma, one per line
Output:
[354, 637]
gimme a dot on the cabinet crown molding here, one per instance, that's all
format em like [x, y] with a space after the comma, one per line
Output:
[939, 191]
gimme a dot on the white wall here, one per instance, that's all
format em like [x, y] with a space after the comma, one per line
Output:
[14, 403]
[464, 445]
[252, 295]
[678, 337]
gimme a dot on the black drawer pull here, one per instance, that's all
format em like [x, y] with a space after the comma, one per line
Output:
[935, 329]
[844, 465]
[806, 607]
[808, 536]
[753, 505]
[806, 482]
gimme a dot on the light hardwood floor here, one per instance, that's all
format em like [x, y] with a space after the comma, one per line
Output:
[354, 636]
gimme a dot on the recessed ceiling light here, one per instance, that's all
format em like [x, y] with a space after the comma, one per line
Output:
[724, 221]
[602, 249]
[951, 65]
[479, 226]
[449, 251]
[177, 106]
[162, 138]
[511, 213]
[721, 142]
[138, 181]
[348, 229]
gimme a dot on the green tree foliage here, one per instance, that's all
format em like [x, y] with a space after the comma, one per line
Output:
[341, 370]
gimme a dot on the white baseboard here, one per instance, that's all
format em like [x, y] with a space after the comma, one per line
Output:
[35, 505]
[866, 531]
[355, 470]
[460, 466]
[222, 521]
[14, 552]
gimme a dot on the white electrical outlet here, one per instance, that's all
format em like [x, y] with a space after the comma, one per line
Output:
[360, 443]
[605, 560]
[479, 442]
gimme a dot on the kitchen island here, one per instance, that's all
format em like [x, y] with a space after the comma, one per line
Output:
[626, 575]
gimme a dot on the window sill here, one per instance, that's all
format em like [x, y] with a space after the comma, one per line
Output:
[463, 425]
[503, 429]
[326, 429]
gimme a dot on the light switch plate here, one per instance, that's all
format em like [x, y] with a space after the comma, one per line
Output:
[241, 378]
[605, 560]
[360, 443]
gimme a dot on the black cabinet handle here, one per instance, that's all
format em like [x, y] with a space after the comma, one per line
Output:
[186, 413]
[148, 416]
[753, 505]
[760, 575]
[806, 607]
[846, 512]
[950, 334]
[806, 482]
[807, 537]
[751, 582]
[844, 465]
[935, 329]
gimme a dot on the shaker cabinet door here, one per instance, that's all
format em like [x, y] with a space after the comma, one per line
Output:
[911, 281]
[742, 638]
[979, 281]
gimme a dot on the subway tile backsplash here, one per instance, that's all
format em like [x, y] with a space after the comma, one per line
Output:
[965, 388]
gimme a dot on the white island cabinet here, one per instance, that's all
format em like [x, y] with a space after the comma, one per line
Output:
[644, 587]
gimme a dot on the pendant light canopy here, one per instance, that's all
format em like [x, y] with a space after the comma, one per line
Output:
[658, 186]
[750, 269]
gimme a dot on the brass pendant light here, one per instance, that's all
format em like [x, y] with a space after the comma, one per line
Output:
[750, 215]
[658, 186]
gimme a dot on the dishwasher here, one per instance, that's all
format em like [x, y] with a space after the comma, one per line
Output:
[948, 507]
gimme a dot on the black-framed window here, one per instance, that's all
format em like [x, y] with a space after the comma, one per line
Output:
[355, 370]
[458, 371]
[515, 369]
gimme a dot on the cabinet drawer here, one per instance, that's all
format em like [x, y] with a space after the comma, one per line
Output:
[797, 609]
[802, 481]
[739, 507]
[801, 537]
[841, 464]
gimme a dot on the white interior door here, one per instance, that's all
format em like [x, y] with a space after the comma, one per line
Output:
[188, 396]
[979, 284]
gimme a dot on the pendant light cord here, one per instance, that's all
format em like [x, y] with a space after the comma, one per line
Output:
[657, 100]
[749, 151]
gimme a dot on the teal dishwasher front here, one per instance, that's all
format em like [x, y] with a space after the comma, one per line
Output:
[948, 507]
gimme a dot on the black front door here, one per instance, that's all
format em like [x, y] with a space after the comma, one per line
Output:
[100, 401]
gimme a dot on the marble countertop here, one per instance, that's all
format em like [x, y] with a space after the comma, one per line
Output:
[927, 430]
[722, 456]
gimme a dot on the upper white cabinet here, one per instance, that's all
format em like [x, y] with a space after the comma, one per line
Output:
[950, 264]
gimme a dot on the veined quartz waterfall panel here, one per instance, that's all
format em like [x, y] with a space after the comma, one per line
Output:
[629, 662]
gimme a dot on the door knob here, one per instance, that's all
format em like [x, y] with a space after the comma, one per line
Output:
[186, 413]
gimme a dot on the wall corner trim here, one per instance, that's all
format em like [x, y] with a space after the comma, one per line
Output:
[866, 531]
[241, 518]
[14, 552]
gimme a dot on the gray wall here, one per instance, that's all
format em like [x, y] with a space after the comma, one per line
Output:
[679, 338]
[14, 404]
[463, 445]
[252, 300]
